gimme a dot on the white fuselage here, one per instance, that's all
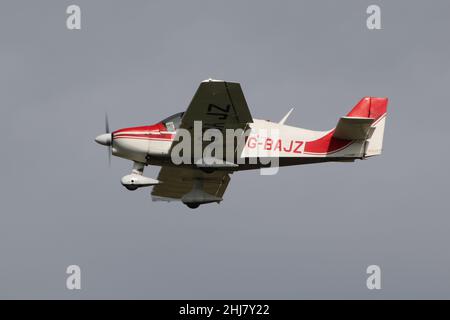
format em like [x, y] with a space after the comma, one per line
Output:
[266, 139]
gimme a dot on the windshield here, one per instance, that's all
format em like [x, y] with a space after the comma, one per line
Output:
[173, 122]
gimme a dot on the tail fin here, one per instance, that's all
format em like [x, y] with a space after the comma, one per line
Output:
[376, 109]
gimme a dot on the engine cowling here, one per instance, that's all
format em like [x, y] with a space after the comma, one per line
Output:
[134, 181]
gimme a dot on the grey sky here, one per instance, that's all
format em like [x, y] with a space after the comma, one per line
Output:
[308, 232]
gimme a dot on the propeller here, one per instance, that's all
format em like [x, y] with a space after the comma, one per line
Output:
[110, 144]
[106, 139]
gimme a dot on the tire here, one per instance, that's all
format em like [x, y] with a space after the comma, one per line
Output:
[193, 205]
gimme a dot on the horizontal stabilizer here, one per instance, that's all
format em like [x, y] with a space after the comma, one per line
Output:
[354, 128]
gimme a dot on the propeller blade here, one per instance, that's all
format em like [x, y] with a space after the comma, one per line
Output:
[110, 145]
[106, 123]
[109, 155]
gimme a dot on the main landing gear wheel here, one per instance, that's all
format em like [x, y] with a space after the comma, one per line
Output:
[193, 205]
[131, 188]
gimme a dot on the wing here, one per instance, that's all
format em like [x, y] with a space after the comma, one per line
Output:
[218, 104]
[190, 185]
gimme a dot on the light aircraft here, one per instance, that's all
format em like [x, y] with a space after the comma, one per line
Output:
[221, 105]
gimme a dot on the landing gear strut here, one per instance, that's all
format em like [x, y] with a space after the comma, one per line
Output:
[197, 196]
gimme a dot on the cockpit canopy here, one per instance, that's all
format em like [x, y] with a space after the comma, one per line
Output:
[173, 122]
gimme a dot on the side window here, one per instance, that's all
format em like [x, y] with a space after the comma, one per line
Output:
[170, 126]
[173, 122]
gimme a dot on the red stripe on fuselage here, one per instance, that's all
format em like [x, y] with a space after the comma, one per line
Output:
[152, 132]
[166, 136]
[326, 144]
[155, 127]
[142, 138]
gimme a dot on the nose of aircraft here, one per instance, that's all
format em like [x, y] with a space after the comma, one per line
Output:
[104, 139]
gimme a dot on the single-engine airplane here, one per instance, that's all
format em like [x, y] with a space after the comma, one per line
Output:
[221, 106]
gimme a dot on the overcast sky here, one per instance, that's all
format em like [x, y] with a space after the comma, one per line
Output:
[307, 232]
